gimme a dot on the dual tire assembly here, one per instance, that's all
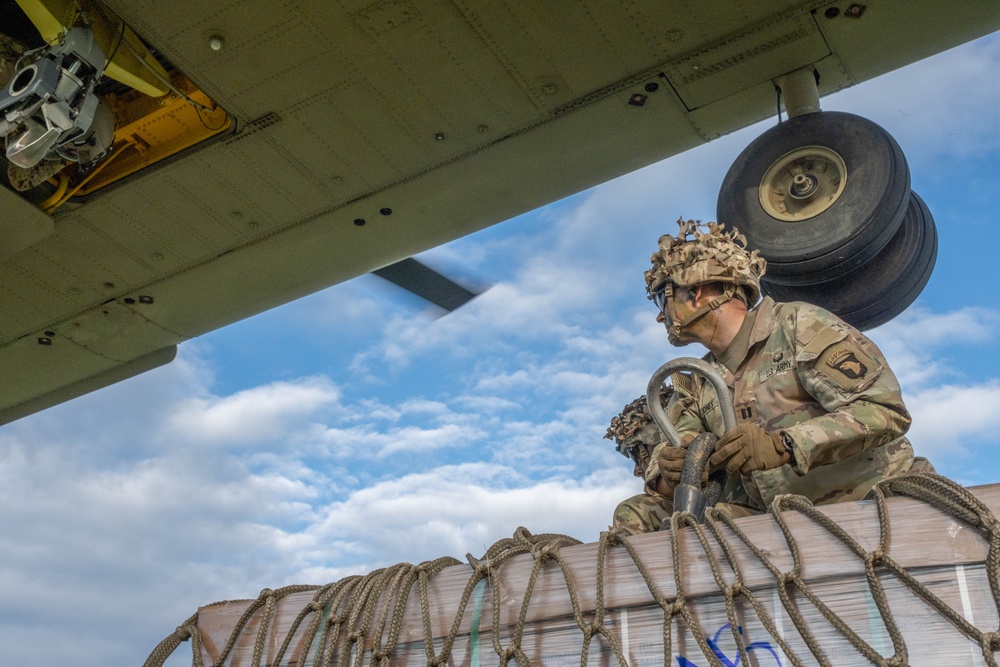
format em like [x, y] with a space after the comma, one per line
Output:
[825, 197]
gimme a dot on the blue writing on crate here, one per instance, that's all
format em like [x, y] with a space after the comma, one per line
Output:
[713, 644]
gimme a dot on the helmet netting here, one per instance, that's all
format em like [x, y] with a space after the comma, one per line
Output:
[712, 254]
[632, 418]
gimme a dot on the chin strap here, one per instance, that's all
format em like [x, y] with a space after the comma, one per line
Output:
[676, 327]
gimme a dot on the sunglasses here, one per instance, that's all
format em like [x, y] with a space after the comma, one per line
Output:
[659, 297]
[641, 455]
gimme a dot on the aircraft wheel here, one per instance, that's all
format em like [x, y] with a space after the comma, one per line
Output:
[818, 195]
[884, 287]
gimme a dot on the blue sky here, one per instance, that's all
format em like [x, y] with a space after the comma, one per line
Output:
[354, 429]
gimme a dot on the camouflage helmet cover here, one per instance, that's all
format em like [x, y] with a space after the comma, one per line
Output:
[631, 420]
[712, 254]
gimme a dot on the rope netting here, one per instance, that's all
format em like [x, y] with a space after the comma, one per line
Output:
[359, 620]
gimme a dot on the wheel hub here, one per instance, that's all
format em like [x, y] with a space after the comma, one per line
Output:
[803, 183]
[803, 186]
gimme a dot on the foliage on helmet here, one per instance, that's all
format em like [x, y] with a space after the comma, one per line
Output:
[711, 254]
[632, 418]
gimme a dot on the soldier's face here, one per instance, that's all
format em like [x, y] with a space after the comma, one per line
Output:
[640, 455]
[680, 338]
[683, 305]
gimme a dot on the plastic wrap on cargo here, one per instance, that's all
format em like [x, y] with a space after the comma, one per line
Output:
[798, 594]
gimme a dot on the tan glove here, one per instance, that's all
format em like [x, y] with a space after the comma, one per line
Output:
[670, 461]
[749, 447]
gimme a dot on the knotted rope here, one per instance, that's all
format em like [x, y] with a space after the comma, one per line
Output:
[362, 616]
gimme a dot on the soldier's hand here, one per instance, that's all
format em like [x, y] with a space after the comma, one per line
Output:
[749, 447]
[670, 461]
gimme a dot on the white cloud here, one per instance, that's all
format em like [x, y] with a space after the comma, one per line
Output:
[916, 341]
[920, 326]
[519, 379]
[367, 442]
[486, 404]
[87, 547]
[952, 421]
[465, 508]
[371, 410]
[349, 307]
[411, 440]
[249, 416]
[423, 406]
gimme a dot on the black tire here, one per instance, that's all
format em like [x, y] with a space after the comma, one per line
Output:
[847, 233]
[882, 289]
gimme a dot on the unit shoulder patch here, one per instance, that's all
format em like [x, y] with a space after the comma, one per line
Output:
[848, 366]
[846, 361]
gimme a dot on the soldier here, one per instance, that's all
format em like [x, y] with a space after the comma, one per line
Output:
[636, 435]
[819, 411]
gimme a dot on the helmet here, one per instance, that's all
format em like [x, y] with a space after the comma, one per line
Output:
[711, 255]
[627, 427]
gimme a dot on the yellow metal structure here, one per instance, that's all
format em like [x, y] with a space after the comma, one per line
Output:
[130, 61]
[149, 130]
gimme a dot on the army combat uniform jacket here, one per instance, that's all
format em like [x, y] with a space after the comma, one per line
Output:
[799, 371]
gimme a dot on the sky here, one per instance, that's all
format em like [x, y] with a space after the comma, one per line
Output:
[354, 428]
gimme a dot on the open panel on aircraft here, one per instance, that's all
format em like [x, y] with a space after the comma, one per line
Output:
[87, 103]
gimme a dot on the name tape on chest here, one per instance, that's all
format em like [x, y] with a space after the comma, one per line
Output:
[708, 407]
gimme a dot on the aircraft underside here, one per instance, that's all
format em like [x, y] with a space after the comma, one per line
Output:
[170, 172]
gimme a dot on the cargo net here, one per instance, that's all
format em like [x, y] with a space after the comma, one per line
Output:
[807, 590]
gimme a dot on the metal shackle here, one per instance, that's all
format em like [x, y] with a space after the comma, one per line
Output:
[701, 367]
[688, 495]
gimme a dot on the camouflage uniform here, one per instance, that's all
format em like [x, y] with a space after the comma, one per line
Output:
[800, 371]
[646, 512]
[632, 428]
[643, 513]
